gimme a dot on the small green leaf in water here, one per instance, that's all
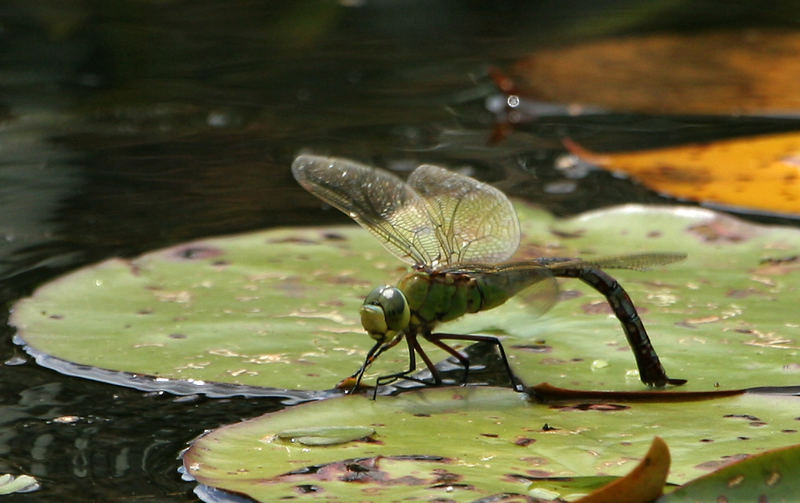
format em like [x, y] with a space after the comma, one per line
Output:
[325, 435]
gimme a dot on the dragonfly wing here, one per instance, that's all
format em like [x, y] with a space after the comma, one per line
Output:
[635, 261]
[474, 222]
[379, 201]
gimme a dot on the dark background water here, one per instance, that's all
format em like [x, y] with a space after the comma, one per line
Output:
[130, 125]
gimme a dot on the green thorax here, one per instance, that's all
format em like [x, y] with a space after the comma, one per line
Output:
[446, 294]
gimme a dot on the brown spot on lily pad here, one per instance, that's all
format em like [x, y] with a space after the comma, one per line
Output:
[445, 477]
[362, 470]
[533, 348]
[721, 229]
[602, 407]
[333, 236]
[719, 463]
[308, 489]
[524, 441]
[194, 252]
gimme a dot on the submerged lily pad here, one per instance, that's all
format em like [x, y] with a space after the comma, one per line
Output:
[278, 310]
[462, 444]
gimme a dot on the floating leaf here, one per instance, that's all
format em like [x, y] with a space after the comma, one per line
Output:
[466, 443]
[643, 484]
[769, 476]
[273, 311]
[739, 172]
[721, 72]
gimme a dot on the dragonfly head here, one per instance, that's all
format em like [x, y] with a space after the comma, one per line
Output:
[385, 312]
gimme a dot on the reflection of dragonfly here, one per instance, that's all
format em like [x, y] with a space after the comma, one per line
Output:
[457, 232]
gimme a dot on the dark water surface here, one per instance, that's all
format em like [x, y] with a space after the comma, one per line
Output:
[132, 125]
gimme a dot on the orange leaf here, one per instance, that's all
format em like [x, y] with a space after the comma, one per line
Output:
[643, 484]
[743, 71]
[758, 173]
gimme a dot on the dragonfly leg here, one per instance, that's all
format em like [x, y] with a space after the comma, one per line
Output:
[437, 340]
[651, 372]
[373, 354]
[413, 348]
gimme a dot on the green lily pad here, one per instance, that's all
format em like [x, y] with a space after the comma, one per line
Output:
[466, 443]
[769, 476]
[276, 312]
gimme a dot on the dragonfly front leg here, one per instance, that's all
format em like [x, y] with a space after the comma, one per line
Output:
[413, 348]
[651, 371]
[437, 340]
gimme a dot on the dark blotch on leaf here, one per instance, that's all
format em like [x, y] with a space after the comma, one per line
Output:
[447, 486]
[780, 260]
[355, 467]
[533, 348]
[308, 489]
[293, 240]
[197, 252]
[504, 497]
[177, 336]
[602, 407]
[524, 441]
[445, 477]
[334, 236]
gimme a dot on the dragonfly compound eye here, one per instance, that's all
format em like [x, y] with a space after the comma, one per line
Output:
[384, 312]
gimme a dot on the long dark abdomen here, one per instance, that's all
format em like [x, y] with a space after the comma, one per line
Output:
[650, 369]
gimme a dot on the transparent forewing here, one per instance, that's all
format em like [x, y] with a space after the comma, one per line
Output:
[474, 222]
[379, 201]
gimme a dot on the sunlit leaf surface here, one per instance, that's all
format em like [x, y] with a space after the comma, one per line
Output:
[768, 476]
[278, 310]
[759, 173]
[742, 71]
[462, 444]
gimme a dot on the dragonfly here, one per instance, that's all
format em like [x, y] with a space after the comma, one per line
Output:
[458, 235]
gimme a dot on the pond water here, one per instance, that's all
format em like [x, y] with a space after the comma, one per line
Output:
[132, 125]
